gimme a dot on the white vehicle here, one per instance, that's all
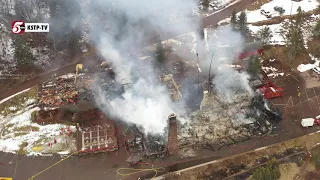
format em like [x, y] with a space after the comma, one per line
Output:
[307, 122]
[265, 13]
[316, 69]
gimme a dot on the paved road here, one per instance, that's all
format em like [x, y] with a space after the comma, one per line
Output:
[214, 18]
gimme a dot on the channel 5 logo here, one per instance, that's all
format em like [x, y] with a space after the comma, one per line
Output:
[18, 27]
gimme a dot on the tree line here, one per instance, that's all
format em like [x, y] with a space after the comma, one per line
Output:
[61, 43]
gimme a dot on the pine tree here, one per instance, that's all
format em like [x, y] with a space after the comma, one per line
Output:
[206, 4]
[160, 53]
[295, 43]
[299, 18]
[62, 13]
[23, 55]
[294, 36]
[265, 35]
[270, 172]
[233, 20]
[242, 24]
[316, 30]
[254, 66]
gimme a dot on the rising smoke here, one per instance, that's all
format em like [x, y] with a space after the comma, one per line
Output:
[224, 43]
[120, 28]
[147, 104]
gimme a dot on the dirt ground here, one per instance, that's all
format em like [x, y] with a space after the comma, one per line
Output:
[279, 53]
[289, 171]
[292, 155]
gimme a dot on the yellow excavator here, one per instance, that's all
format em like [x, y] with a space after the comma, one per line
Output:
[78, 67]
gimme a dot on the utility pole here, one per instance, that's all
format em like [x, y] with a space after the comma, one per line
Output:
[198, 74]
[291, 8]
[209, 87]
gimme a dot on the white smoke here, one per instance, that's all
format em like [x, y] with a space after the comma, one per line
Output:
[224, 44]
[148, 102]
[118, 28]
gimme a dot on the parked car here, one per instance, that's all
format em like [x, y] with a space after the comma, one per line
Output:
[279, 9]
[316, 69]
[265, 13]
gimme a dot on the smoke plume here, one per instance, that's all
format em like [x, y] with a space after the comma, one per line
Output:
[224, 45]
[147, 103]
[120, 28]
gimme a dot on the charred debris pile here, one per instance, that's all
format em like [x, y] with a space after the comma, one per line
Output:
[219, 124]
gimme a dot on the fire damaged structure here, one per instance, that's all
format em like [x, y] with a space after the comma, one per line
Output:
[218, 124]
[99, 137]
[146, 146]
[173, 143]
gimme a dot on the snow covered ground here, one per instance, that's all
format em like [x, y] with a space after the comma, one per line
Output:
[214, 6]
[289, 6]
[272, 72]
[307, 67]
[18, 129]
[278, 30]
[277, 37]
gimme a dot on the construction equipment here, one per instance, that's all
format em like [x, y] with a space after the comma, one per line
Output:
[78, 67]
[270, 90]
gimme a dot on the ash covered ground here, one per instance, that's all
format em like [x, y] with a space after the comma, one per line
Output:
[218, 123]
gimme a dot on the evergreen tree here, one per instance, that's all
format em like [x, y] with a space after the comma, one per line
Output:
[316, 30]
[270, 172]
[242, 24]
[265, 35]
[299, 18]
[160, 53]
[23, 55]
[233, 20]
[295, 43]
[206, 4]
[254, 66]
[294, 36]
[62, 13]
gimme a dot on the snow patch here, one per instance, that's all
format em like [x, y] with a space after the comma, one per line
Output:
[272, 72]
[289, 6]
[10, 141]
[305, 67]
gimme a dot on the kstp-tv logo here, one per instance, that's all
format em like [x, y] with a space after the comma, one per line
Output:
[19, 27]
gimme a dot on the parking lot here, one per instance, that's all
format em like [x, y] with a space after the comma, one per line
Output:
[298, 102]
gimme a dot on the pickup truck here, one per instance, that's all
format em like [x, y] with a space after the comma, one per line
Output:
[265, 13]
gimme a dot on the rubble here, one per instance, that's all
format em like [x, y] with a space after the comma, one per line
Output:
[172, 86]
[216, 122]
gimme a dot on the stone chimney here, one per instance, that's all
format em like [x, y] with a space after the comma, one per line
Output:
[173, 143]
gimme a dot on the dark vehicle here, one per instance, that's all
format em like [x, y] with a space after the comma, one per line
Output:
[279, 9]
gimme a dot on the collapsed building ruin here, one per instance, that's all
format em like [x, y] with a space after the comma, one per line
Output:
[212, 124]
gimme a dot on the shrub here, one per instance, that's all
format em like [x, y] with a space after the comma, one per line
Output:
[270, 172]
